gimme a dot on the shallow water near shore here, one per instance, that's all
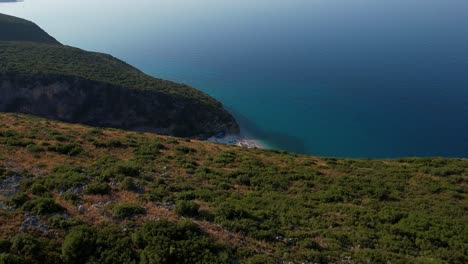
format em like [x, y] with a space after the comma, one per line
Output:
[359, 78]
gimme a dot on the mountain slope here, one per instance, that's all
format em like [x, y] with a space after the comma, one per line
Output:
[103, 195]
[69, 84]
[17, 29]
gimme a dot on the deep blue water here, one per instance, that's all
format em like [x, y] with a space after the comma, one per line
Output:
[353, 78]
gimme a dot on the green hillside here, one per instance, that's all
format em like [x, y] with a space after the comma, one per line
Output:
[69, 84]
[84, 195]
[17, 29]
[31, 59]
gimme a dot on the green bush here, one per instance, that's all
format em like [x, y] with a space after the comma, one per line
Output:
[128, 184]
[43, 206]
[187, 208]
[97, 188]
[114, 246]
[113, 143]
[34, 148]
[128, 210]
[34, 249]
[127, 169]
[225, 157]
[72, 198]
[63, 180]
[148, 150]
[6, 258]
[166, 242]
[159, 194]
[13, 142]
[5, 246]
[18, 200]
[67, 149]
[79, 245]
[38, 189]
[185, 150]
[61, 222]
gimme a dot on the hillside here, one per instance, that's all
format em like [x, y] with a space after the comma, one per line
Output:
[80, 194]
[17, 29]
[73, 85]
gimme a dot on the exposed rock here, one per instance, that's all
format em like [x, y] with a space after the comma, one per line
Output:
[10, 186]
[32, 222]
[75, 190]
[165, 175]
[81, 208]
[78, 100]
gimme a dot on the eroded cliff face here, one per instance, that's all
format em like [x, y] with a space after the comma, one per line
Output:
[93, 103]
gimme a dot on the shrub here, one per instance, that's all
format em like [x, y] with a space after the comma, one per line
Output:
[159, 194]
[33, 148]
[43, 206]
[225, 157]
[61, 138]
[228, 211]
[187, 208]
[67, 149]
[261, 259]
[113, 143]
[34, 249]
[38, 189]
[166, 242]
[114, 246]
[128, 184]
[62, 222]
[18, 200]
[128, 210]
[78, 245]
[185, 150]
[128, 169]
[13, 142]
[149, 150]
[72, 198]
[97, 188]
[10, 259]
[5, 246]
[64, 180]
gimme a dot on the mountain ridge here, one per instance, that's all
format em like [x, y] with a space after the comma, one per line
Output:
[18, 29]
[70, 84]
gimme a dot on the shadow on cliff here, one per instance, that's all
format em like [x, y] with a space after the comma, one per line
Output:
[278, 140]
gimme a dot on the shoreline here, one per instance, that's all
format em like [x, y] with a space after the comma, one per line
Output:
[237, 140]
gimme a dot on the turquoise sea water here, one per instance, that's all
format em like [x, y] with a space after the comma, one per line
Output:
[346, 78]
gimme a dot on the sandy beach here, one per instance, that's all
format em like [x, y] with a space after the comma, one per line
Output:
[237, 140]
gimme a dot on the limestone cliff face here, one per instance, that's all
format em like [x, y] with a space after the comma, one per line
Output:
[78, 100]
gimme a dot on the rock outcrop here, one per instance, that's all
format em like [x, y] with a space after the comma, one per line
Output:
[78, 100]
[39, 76]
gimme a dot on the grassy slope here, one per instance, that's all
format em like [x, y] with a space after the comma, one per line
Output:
[17, 29]
[254, 205]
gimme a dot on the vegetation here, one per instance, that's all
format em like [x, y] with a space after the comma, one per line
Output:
[17, 29]
[27, 59]
[128, 210]
[36, 59]
[175, 201]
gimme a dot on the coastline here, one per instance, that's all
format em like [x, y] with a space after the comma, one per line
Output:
[238, 140]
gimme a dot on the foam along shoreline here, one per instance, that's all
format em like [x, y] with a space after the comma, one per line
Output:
[237, 140]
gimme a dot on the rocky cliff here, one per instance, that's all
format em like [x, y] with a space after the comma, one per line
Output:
[78, 100]
[73, 85]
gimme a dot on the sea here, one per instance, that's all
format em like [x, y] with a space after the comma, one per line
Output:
[338, 78]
